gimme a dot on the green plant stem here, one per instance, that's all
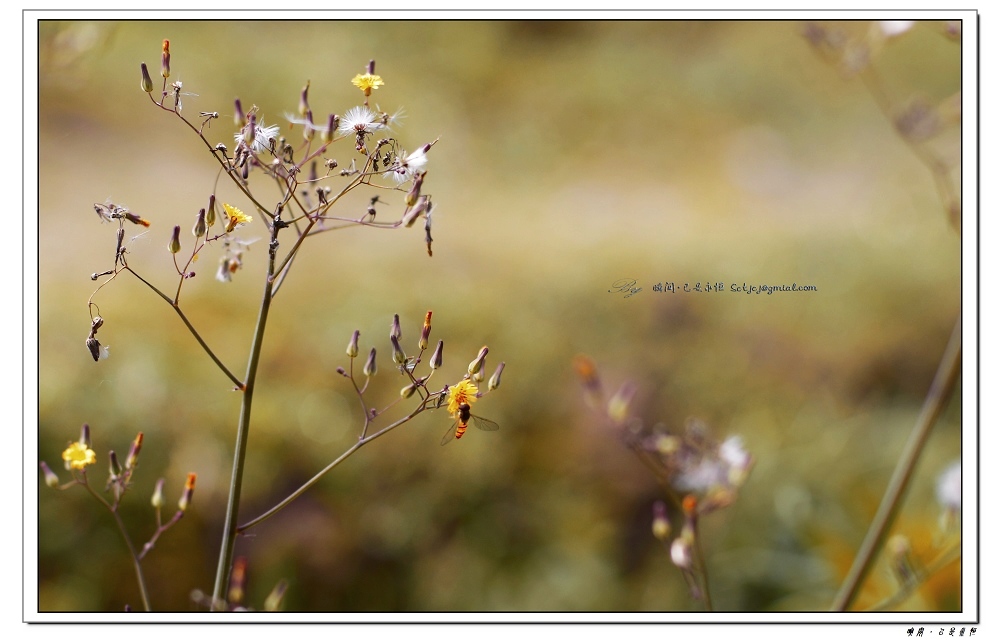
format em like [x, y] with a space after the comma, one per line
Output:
[941, 561]
[239, 456]
[194, 333]
[143, 592]
[702, 572]
[347, 453]
[938, 395]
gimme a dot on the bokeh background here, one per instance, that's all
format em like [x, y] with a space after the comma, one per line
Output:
[571, 154]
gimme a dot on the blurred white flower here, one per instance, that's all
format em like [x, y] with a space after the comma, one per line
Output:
[949, 487]
[892, 28]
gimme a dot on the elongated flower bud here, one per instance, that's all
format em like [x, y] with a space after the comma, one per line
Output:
[210, 211]
[408, 391]
[239, 118]
[85, 435]
[495, 379]
[480, 374]
[147, 83]
[165, 60]
[661, 525]
[133, 452]
[411, 196]
[398, 356]
[304, 100]
[331, 128]
[370, 368]
[175, 241]
[114, 467]
[352, 346]
[395, 331]
[477, 363]
[414, 212]
[188, 492]
[438, 357]
[200, 225]
[425, 332]
[157, 499]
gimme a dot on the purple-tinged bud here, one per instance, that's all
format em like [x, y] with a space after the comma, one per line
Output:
[370, 368]
[51, 479]
[85, 435]
[200, 225]
[210, 211]
[341, 371]
[250, 131]
[352, 346]
[331, 128]
[133, 452]
[477, 363]
[239, 118]
[495, 379]
[371, 66]
[408, 391]
[309, 130]
[411, 196]
[165, 60]
[438, 357]
[398, 356]
[480, 374]
[157, 499]
[114, 467]
[175, 241]
[394, 330]
[147, 82]
[304, 100]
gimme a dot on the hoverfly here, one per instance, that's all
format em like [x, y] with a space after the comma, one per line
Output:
[458, 428]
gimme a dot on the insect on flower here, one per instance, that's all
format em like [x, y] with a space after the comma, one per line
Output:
[462, 423]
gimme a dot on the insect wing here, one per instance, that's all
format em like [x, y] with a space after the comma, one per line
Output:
[448, 436]
[485, 424]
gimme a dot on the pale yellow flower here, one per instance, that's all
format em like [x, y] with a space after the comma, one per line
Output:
[78, 456]
[367, 82]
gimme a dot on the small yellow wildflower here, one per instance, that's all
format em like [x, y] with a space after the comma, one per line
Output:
[78, 456]
[367, 82]
[236, 217]
[463, 392]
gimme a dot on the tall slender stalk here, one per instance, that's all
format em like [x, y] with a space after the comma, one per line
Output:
[229, 531]
[937, 397]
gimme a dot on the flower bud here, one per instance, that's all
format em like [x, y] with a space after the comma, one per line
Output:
[352, 346]
[477, 363]
[165, 60]
[394, 330]
[147, 83]
[51, 479]
[425, 332]
[408, 391]
[239, 118]
[398, 356]
[370, 368]
[411, 196]
[250, 131]
[210, 211]
[133, 452]
[85, 435]
[114, 467]
[175, 241]
[304, 100]
[273, 601]
[661, 525]
[331, 128]
[495, 379]
[200, 225]
[157, 499]
[438, 357]
[188, 492]
[410, 216]
[480, 374]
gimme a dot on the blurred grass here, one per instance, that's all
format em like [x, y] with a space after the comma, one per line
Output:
[572, 154]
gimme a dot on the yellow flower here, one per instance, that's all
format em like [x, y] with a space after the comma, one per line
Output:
[463, 392]
[78, 456]
[367, 82]
[236, 217]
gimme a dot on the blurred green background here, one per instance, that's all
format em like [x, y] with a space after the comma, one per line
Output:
[571, 154]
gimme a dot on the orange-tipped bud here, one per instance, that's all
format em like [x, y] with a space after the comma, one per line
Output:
[425, 332]
[133, 452]
[165, 60]
[188, 492]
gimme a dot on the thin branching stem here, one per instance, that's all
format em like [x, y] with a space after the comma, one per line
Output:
[937, 398]
[945, 558]
[347, 453]
[140, 577]
[191, 329]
